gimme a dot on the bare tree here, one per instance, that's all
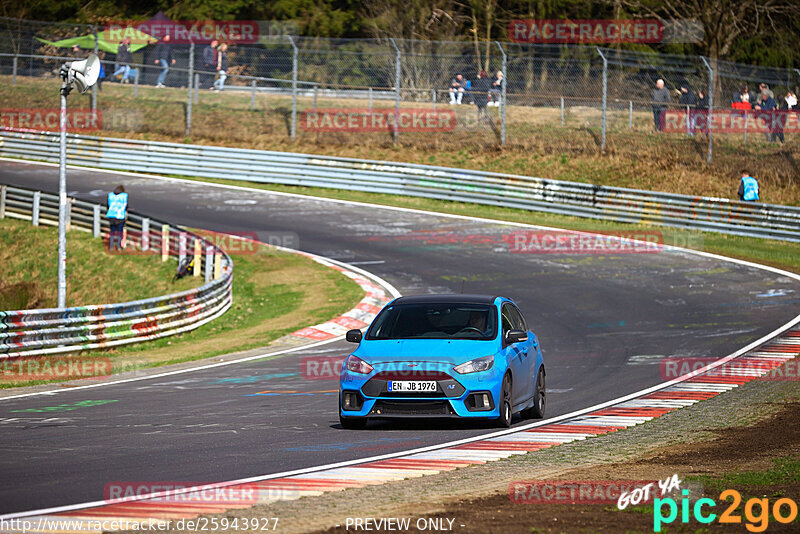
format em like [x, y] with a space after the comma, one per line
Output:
[724, 21]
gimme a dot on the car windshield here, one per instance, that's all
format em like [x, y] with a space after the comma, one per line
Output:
[435, 321]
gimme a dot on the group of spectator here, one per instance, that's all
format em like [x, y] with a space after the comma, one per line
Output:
[742, 100]
[215, 62]
[483, 92]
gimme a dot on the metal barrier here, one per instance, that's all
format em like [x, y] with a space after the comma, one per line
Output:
[55, 331]
[506, 190]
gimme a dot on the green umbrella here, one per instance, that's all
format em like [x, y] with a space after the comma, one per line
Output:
[138, 41]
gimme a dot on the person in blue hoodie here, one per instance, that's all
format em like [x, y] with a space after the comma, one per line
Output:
[116, 215]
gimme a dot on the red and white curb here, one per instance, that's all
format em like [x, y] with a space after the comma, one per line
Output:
[359, 317]
[629, 411]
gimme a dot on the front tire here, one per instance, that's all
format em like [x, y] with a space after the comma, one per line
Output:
[504, 421]
[539, 399]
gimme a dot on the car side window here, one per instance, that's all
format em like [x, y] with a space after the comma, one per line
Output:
[508, 322]
[517, 319]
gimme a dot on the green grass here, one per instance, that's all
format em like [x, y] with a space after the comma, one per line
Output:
[274, 293]
[786, 470]
[29, 255]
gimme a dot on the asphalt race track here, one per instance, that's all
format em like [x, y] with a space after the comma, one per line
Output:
[605, 323]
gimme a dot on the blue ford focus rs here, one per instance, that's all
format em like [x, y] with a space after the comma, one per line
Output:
[469, 356]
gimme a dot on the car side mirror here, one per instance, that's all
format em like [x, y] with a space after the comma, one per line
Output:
[516, 336]
[353, 336]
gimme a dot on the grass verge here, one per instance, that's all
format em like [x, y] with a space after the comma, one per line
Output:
[274, 293]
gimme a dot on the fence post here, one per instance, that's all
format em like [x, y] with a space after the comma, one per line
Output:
[135, 83]
[294, 88]
[164, 242]
[217, 265]
[181, 247]
[369, 90]
[504, 90]
[196, 86]
[605, 97]
[710, 106]
[209, 262]
[14, 70]
[746, 118]
[198, 257]
[145, 234]
[96, 221]
[630, 114]
[316, 90]
[253, 95]
[396, 91]
[94, 87]
[3, 193]
[189, 81]
[688, 120]
[562, 111]
[37, 199]
[434, 100]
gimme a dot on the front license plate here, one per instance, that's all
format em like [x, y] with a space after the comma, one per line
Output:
[412, 385]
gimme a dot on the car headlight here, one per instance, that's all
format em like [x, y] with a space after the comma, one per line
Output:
[357, 365]
[475, 366]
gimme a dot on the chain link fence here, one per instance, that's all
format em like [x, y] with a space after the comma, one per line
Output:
[386, 92]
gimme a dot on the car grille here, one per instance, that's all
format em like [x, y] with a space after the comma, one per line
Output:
[409, 408]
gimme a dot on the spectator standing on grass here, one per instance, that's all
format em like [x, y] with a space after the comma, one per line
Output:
[660, 100]
[124, 60]
[116, 215]
[767, 103]
[222, 67]
[497, 88]
[164, 59]
[748, 188]
[688, 101]
[457, 88]
[480, 90]
[209, 63]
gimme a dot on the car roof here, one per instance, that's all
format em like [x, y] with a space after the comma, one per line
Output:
[446, 298]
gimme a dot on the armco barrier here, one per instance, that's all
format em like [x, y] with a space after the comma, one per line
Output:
[514, 191]
[56, 331]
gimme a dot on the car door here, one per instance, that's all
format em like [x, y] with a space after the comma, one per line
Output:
[529, 350]
[517, 356]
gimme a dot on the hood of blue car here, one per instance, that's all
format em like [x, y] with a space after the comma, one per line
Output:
[450, 352]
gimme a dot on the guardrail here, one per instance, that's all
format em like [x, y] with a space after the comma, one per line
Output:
[56, 331]
[506, 190]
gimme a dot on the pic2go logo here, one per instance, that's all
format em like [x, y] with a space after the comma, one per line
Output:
[756, 511]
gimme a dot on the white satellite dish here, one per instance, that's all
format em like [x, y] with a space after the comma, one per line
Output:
[84, 73]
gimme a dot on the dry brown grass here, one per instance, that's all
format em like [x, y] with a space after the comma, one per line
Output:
[537, 144]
